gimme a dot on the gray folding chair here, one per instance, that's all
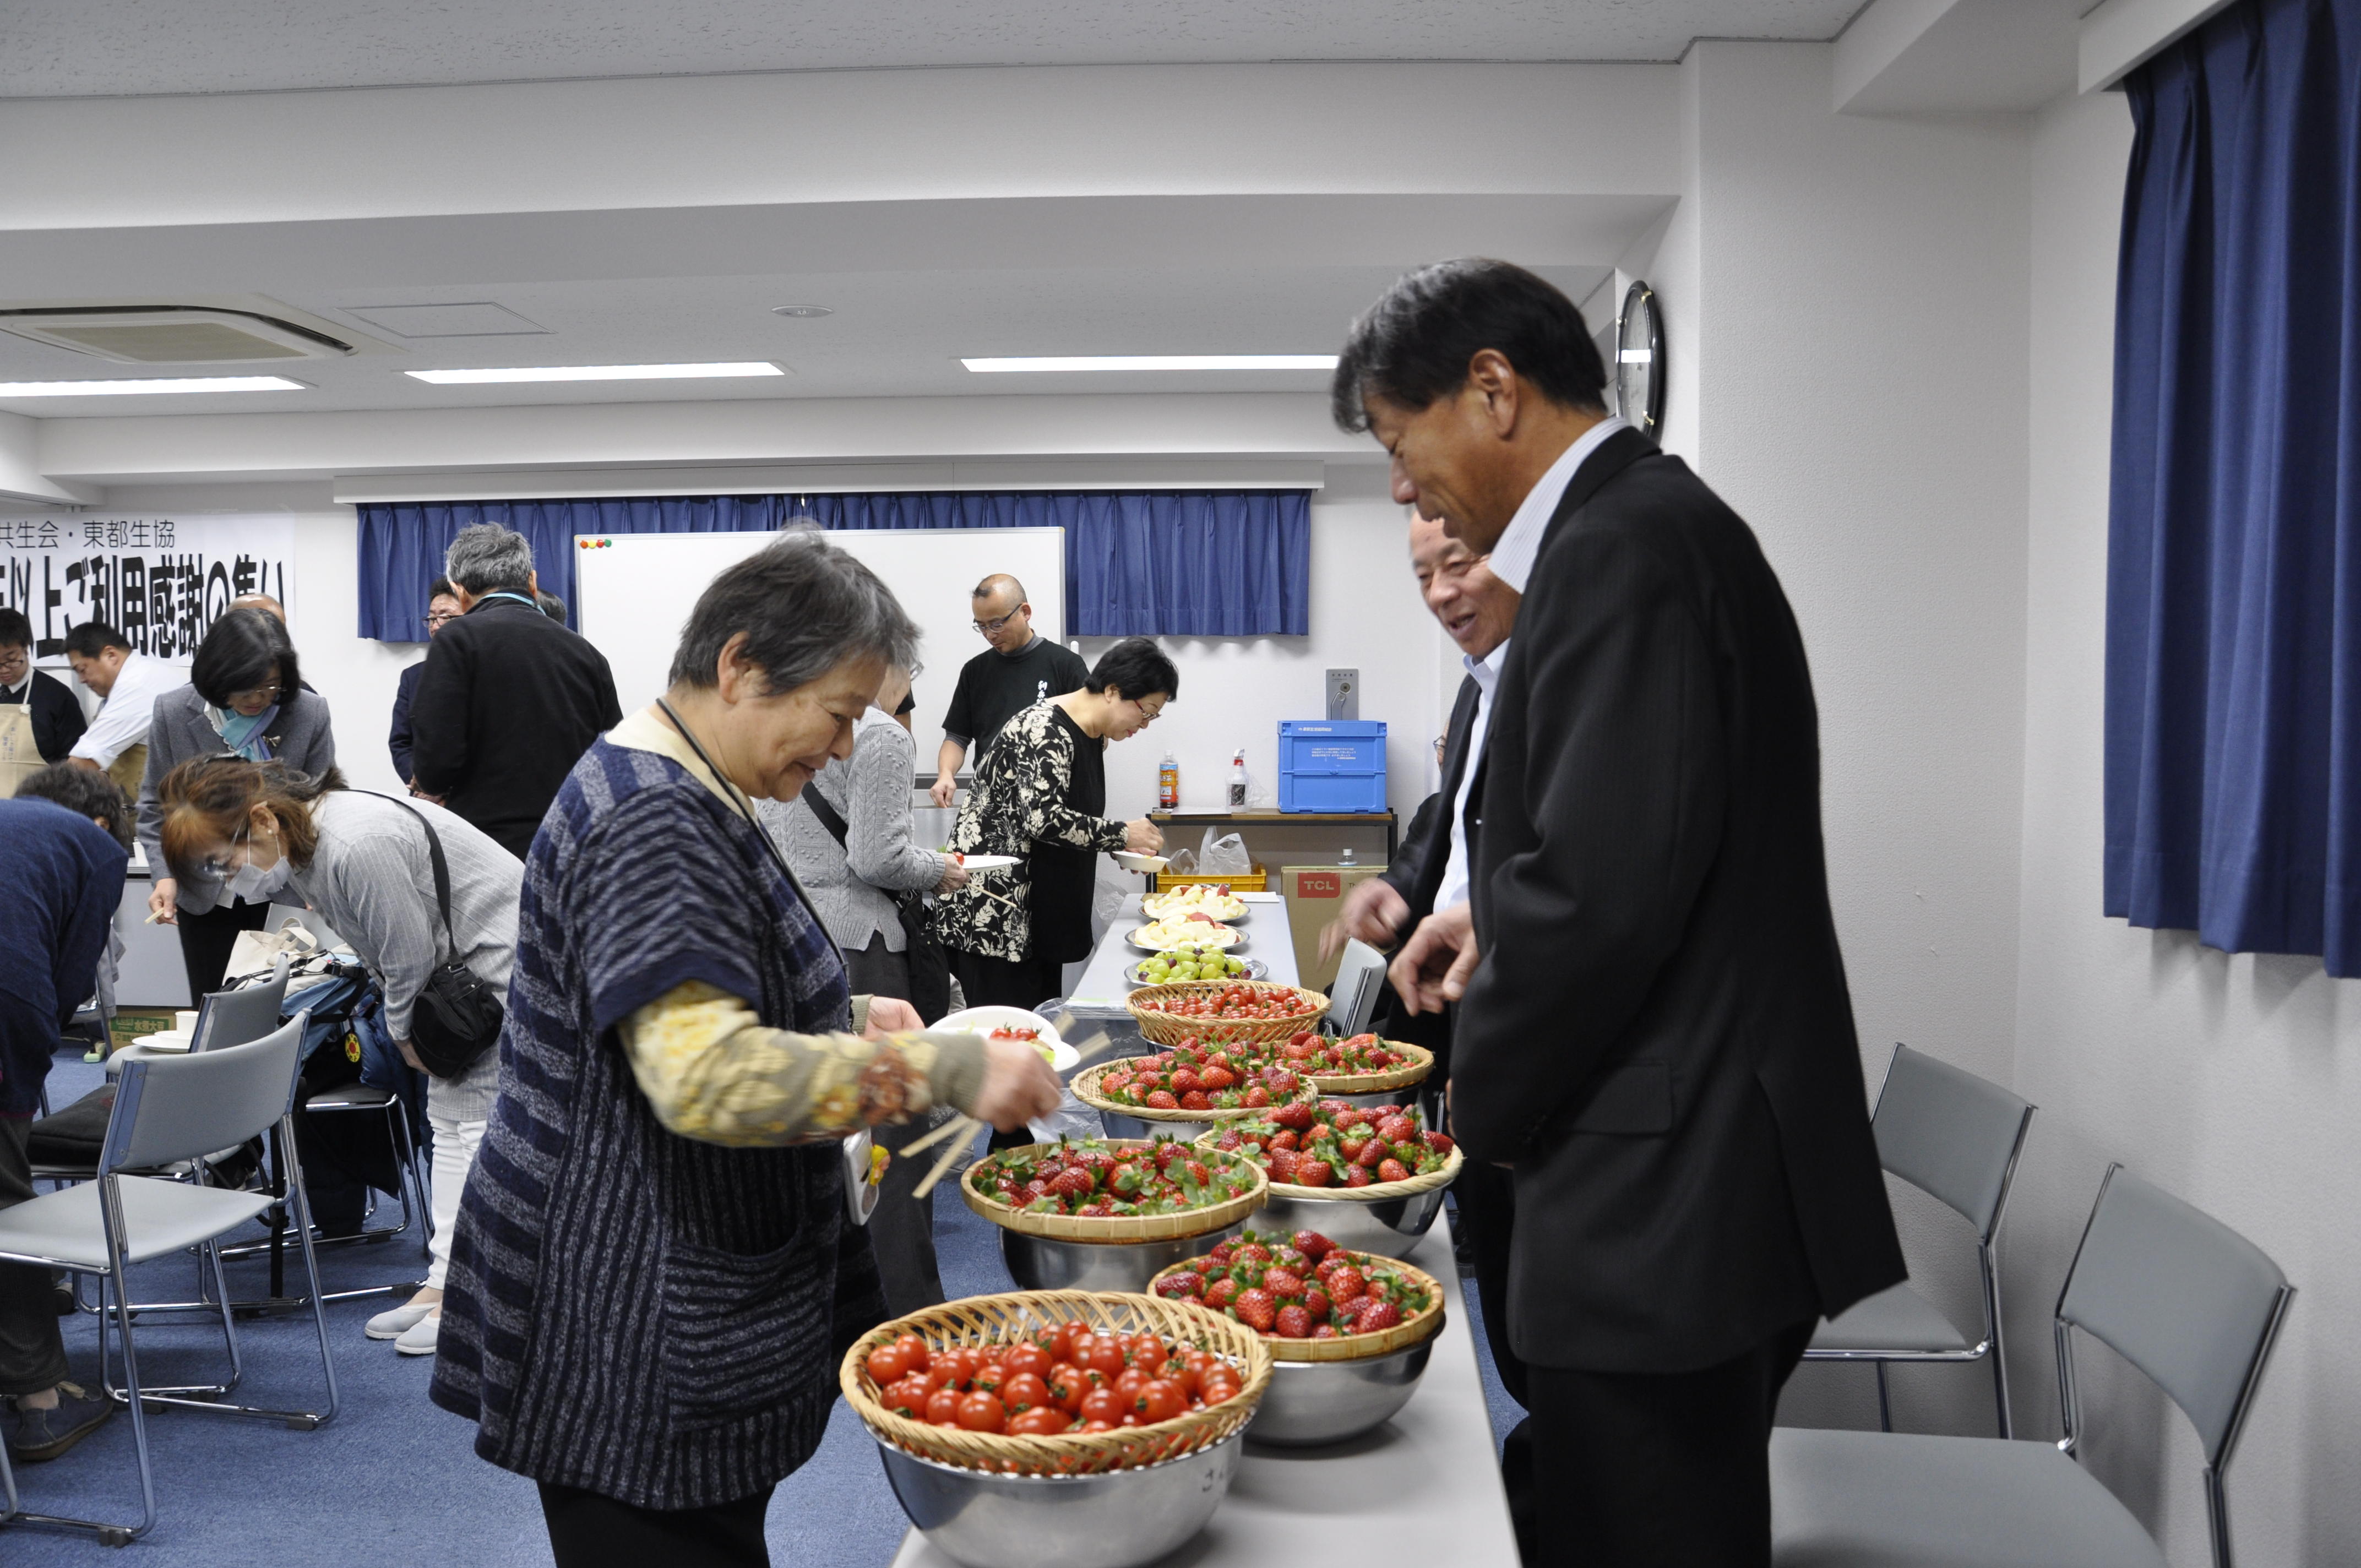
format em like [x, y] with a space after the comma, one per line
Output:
[1956, 1137]
[1353, 994]
[2184, 1297]
[168, 1110]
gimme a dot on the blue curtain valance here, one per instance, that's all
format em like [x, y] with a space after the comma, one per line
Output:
[1177, 563]
[2233, 738]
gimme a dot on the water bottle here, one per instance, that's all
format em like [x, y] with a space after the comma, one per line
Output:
[1346, 858]
[1168, 785]
[1238, 779]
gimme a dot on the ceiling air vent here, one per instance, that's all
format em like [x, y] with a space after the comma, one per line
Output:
[172, 335]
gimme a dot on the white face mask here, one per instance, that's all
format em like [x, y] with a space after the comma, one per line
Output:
[255, 885]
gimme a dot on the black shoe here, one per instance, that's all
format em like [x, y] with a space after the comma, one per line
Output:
[42, 1435]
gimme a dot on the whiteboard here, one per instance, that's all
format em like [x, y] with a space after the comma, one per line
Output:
[633, 592]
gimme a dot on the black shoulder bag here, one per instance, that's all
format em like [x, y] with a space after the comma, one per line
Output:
[456, 1018]
[931, 972]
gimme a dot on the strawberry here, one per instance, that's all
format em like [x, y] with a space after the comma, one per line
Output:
[1168, 1151]
[1394, 1129]
[1346, 1285]
[1311, 1172]
[1371, 1153]
[1198, 1173]
[1392, 1170]
[1407, 1152]
[1325, 1331]
[1295, 1117]
[1284, 1282]
[1439, 1141]
[1258, 1097]
[1377, 1316]
[1181, 1287]
[1350, 1116]
[1228, 1140]
[1278, 1081]
[1281, 1165]
[1216, 1078]
[1183, 1081]
[1222, 1250]
[1294, 1322]
[1100, 1210]
[1221, 1293]
[1195, 1101]
[1312, 1244]
[1351, 1147]
[1071, 1182]
[1359, 1175]
[1163, 1100]
[1252, 1252]
[1303, 1038]
[1285, 1140]
[1316, 1302]
[1254, 1310]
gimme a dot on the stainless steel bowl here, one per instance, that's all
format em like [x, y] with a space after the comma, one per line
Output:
[1038, 1263]
[1377, 1097]
[1119, 1125]
[1389, 1227]
[1327, 1401]
[1120, 1520]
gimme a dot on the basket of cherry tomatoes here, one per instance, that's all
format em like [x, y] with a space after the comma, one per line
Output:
[1224, 1010]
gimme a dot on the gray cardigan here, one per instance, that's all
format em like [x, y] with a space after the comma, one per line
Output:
[300, 737]
[852, 885]
[372, 881]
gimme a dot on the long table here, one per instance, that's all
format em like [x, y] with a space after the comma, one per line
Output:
[1424, 1486]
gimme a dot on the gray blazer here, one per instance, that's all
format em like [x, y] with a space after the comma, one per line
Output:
[300, 738]
[852, 885]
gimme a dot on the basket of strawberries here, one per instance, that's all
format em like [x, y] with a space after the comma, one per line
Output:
[1364, 1065]
[1185, 1091]
[1373, 1177]
[1107, 1213]
[1349, 1333]
[1107, 1423]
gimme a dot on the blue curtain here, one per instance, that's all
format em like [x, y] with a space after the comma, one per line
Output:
[2232, 791]
[1178, 564]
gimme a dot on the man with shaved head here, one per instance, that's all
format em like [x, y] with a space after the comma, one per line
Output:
[1020, 668]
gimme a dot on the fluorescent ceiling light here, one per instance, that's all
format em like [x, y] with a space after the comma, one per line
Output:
[163, 384]
[1159, 362]
[596, 373]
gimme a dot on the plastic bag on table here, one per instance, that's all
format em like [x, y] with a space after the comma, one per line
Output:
[1226, 856]
[1071, 1119]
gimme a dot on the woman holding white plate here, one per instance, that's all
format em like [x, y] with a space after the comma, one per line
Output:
[1038, 792]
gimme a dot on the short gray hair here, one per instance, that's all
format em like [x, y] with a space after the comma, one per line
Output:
[488, 559]
[805, 606]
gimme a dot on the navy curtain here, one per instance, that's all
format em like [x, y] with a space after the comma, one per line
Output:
[1178, 564]
[2233, 791]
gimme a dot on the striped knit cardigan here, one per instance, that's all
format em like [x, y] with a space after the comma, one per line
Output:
[629, 1311]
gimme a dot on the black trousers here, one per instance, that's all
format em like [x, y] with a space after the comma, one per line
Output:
[1486, 1200]
[587, 1531]
[902, 1229]
[32, 1352]
[207, 939]
[1659, 1470]
[1023, 982]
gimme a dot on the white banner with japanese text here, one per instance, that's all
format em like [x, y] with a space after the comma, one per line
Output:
[160, 581]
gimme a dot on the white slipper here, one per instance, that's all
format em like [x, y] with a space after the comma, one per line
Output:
[400, 1321]
[419, 1338]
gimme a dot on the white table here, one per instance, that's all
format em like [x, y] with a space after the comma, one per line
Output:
[1268, 937]
[1425, 1487]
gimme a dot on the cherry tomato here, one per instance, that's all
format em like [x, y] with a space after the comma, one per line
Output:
[1101, 1405]
[1098, 1426]
[906, 1398]
[982, 1412]
[951, 1368]
[916, 1357]
[1129, 1383]
[1103, 1353]
[888, 1366]
[1159, 1401]
[942, 1407]
[1147, 1350]
[1043, 1421]
[1025, 1391]
[1067, 1387]
[1026, 1359]
[991, 1379]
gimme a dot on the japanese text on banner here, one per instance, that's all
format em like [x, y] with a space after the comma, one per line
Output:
[161, 582]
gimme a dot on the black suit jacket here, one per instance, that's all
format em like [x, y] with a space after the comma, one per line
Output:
[508, 702]
[398, 739]
[1659, 1034]
[1416, 873]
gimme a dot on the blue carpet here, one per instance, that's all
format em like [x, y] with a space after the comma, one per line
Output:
[394, 1481]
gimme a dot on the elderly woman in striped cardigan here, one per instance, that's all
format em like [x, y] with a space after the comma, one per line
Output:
[654, 1272]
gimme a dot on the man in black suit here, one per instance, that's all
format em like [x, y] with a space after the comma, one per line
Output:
[1653, 1030]
[442, 608]
[509, 700]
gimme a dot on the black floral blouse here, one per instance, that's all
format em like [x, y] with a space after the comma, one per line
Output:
[1023, 798]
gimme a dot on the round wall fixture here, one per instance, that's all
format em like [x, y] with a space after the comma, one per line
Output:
[801, 312]
[1640, 361]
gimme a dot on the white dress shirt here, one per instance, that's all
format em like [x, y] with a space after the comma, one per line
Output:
[1511, 561]
[122, 723]
[1456, 871]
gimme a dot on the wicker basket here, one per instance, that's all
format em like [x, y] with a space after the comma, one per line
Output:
[1120, 1227]
[1410, 1073]
[1087, 1089]
[989, 1320]
[1375, 1193]
[1166, 1029]
[1354, 1347]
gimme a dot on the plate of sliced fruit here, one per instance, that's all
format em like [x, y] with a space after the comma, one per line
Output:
[1163, 935]
[1014, 1024]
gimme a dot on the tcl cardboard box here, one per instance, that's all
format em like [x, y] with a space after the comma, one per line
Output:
[1316, 896]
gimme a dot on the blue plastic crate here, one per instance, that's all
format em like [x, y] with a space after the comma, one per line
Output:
[1332, 764]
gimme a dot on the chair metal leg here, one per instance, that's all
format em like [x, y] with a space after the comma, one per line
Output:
[311, 1270]
[1885, 1400]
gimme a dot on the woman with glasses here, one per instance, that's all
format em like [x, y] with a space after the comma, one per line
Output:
[245, 698]
[1038, 793]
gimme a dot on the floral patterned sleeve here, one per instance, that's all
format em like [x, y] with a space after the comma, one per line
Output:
[713, 1073]
[1048, 767]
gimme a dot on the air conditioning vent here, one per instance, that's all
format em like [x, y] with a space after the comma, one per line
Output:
[172, 335]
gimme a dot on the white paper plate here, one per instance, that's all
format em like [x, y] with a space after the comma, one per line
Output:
[172, 1041]
[1132, 862]
[1213, 938]
[984, 1020]
[984, 863]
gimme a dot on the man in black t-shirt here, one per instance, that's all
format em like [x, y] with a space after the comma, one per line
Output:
[1020, 670]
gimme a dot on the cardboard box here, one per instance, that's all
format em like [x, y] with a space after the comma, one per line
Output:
[1315, 897]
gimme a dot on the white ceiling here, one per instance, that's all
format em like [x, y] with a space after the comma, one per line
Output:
[96, 48]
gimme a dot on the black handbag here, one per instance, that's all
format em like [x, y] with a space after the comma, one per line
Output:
[456, 1018]
[930, 971]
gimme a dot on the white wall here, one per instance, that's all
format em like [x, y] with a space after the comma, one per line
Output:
[2219, 1078]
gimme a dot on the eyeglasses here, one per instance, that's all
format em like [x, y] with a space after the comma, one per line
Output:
[433, 622]
[1147, 714]
[991, 627]
[14, 659]
[259, 694]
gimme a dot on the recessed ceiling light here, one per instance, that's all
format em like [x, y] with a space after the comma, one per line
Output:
[802, 312]
[596, 373]
[1158, 362]
[161, 384]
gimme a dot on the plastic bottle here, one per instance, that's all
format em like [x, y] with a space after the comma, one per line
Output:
[1346, 859]
[1238, 779]
[1168, 785]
